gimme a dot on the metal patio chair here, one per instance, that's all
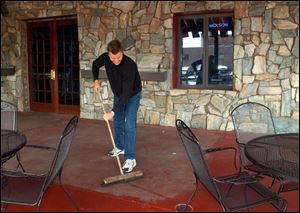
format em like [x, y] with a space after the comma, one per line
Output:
[8, 115]
[252, 120]
[234, 192]
[9, 122]
[24, 188]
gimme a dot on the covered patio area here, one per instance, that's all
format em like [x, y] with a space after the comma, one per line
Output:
[168, 176]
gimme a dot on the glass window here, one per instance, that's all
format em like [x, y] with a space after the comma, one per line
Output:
[204, 56]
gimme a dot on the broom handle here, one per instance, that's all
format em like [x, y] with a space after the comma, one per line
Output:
[114, 145]
[111, 136]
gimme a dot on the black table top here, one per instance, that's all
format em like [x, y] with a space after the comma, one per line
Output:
[11, 142]
[278, 154]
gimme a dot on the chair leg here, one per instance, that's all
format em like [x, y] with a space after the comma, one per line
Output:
[281, 186]
[38, 207]
[19, 162]
[274, 185]
[280, 204]
[68, 194]
[3, 207]
[227, 193]
[190, 198]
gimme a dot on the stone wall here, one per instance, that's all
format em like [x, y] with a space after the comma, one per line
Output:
[266, 57]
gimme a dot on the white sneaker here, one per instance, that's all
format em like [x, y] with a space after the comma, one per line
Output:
[128, 165]
[115, 152]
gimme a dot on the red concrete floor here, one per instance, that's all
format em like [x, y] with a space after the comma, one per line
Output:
[168, 177]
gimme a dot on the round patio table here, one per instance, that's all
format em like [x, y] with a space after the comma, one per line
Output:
[278, 154]
[11, 142]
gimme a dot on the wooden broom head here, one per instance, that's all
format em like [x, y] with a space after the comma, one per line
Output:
[122, 178]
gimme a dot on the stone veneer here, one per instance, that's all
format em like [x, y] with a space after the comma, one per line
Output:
[266, 57]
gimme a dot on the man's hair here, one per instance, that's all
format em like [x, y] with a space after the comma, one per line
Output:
[114, 46]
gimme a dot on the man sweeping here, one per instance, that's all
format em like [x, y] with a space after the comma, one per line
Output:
[125, 82]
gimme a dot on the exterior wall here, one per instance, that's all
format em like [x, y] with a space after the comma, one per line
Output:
[266, 57]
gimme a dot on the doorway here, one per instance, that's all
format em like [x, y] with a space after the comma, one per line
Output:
[53, 54]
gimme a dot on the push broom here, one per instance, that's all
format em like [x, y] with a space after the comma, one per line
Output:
[122, 177]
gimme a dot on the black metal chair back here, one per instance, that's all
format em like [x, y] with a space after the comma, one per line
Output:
[62, 151]
[195, 155]
[8, 115]
[234, 192]
[28, 188]
[252, 120]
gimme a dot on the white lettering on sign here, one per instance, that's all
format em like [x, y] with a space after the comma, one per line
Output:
[218, 25]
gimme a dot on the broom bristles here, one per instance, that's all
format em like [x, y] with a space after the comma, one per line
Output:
[122, 178]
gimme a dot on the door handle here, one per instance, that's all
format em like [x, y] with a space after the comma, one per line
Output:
[52, 74]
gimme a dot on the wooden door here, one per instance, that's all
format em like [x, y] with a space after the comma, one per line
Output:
[53, 53]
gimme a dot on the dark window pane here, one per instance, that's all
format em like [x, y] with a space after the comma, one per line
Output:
[68, 58]
[34, 59]
[59, 45]
[68, 81]
[67, 45]
[40, 69]
[68, 64]
[75, 58]
[41, 97]
[47, 69]
[220, 50]
[34, 69]
[48, 97]
[205, 50]
[41, 59]
[48, 84]
[192, 51]
[61, 91]
[76, 100]
[34, 47]
[61, 58]
[41, 84]
[35, 96]
[68, 72]
[69, 99]
[61, 87]
[40, 46]
[61, 99]
[76, 86]
[60, 30]
[47, 45]
[75, 72]
[61, 72]
[75, 45]
[35, 84]
[47, 59]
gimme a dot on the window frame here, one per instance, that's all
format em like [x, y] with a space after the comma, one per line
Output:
[177, 44]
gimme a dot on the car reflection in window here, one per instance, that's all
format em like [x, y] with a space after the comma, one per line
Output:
[192, 75]
[223, 76]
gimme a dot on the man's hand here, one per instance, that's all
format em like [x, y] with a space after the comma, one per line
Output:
[97, 86]
[108, 116]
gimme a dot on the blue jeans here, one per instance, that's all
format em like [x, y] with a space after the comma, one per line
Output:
[125, 125]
